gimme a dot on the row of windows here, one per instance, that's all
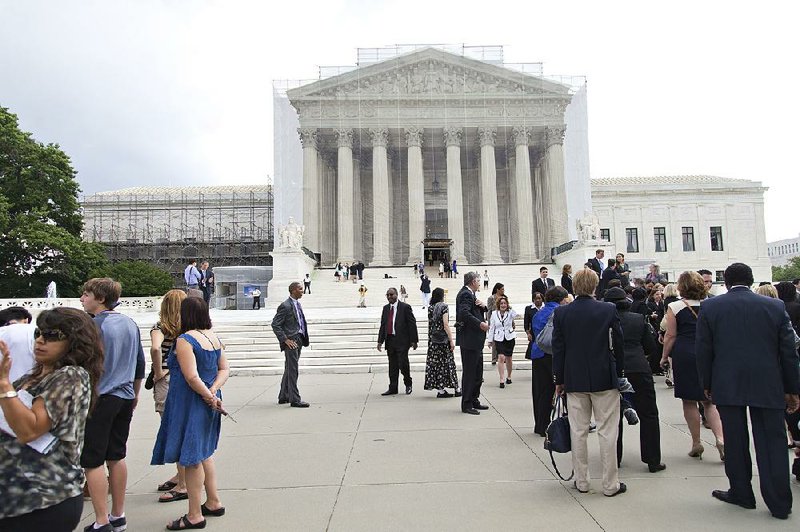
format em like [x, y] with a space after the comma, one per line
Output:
[784, 249]
[660, 238]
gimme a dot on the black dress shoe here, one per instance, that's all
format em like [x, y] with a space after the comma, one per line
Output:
[457, 394]
[282, 401]
[442, 395]
[781, 516]
[726, 496]
[408, 390]
[478, 406]
[470, 411]
[655, 468]
[390, 392]
[299, 404]
[622, 489]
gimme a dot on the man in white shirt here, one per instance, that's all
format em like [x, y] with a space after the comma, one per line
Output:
[17, 332]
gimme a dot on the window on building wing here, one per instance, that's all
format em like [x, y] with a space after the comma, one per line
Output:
[660, 235]
[716, 238]
[632, 239]
[687, 234]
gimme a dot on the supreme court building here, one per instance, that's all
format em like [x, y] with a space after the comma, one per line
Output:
[432, 151]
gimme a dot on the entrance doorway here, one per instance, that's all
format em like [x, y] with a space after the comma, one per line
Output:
[436, 251]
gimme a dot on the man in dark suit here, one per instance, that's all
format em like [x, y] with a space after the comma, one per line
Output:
[542, 284]
[746, 359]
[598, 263]
[399, 330]
[289, 325]
[471, 336]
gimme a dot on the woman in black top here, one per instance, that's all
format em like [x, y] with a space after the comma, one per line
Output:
[566, 278]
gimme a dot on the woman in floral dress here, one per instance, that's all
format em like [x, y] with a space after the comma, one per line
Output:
[440, 366]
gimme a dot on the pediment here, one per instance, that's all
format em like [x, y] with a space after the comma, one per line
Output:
[430, 72]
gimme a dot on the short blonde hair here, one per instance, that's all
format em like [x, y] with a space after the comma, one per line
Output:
[585, 282]
[691, 286]
[670, 291]
[767, 290]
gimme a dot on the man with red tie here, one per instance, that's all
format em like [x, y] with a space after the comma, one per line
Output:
[399, 331]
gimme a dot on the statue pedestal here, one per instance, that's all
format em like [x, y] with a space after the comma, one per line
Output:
[288, 265]
[582, 252]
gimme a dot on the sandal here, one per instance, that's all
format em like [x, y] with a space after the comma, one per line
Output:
[166, 486]
[173, 496]
[219, 512]
[184, 524]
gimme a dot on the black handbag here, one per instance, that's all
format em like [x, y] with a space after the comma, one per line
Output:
[150, 381]
[557, 439]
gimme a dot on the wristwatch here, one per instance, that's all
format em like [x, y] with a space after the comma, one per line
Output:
[8, 395]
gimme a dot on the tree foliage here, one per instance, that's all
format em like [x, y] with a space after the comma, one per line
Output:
[138, 279]
[787, 273]
[40, 219]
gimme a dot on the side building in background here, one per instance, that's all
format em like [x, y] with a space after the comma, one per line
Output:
[684, 223]
[782, 251]
[168, 226]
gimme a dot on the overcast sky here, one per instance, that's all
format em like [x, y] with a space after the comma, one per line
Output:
[179, 92]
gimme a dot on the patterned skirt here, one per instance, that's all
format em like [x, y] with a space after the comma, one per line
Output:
[440, 368]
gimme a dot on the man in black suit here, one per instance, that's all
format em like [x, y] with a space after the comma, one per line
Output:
[746, 359]
[399, 330]
[598, 263]
[289, 325]
[542, 284]
[471, 336]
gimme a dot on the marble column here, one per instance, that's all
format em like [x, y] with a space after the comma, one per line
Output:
[381, 228]
[557, 187]
[455, 201]
[311, 210]
[358, 223]
[416, 194]
[488, 185]
[525, 235]
[539, 212]
[344, 186]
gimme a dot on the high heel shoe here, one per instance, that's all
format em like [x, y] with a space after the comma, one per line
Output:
[697, 451]
[721, 450]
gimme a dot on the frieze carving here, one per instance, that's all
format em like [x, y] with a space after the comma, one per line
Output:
[522, 136]
[452, 136]
[431, 77]
[554, 134]
[487, 135]
[344, 137]
[308, 137]
[414, 136]
[380, 137]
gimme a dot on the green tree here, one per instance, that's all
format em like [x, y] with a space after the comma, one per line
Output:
[138, 279]
[787, 273]
[40, 219]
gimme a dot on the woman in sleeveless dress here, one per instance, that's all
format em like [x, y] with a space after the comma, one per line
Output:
[440, 366]
[190, 425]
[681, 322]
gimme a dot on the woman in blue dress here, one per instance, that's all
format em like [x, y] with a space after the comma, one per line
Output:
[190, 425]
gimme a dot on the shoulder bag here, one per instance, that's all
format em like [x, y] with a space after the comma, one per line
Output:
[545, 337]
[557, 439]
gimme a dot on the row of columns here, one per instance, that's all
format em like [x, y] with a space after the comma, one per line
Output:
[550, 211]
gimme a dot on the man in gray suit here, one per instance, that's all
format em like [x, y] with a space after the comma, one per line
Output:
[289, 325]
[747, 361]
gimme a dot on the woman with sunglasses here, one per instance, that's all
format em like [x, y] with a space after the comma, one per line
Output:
[190, 425]
[47, 409]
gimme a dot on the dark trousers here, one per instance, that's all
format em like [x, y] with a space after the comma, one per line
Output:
[542, 391]
[289, 391]
[471, 376]
[307, 289]
[644, 402]
[398, 362]
[61, 517]
[207, 294]
[257, 303]
[769, 438]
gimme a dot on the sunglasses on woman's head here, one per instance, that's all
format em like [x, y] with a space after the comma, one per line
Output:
[49, 335]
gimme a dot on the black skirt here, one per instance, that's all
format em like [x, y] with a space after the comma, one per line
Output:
[506, 347]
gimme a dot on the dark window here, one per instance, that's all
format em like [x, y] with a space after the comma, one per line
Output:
[660, 234]
[720, 275]
[632, 239]
[688, 238]
[605, 234]
[716, 238]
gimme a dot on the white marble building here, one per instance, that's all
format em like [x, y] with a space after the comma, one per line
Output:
[432, 150]
[685, 222]
[781, 251]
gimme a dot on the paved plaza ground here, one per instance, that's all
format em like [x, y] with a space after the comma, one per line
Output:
[357, 461]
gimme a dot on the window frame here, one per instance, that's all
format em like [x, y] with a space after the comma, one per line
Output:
[660, 237]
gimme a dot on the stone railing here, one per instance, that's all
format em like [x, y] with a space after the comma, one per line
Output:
[127, 305]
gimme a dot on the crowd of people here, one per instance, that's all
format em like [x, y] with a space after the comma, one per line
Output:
[69, 383]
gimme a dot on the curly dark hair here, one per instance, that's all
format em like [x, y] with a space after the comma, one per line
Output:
[84, 345]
